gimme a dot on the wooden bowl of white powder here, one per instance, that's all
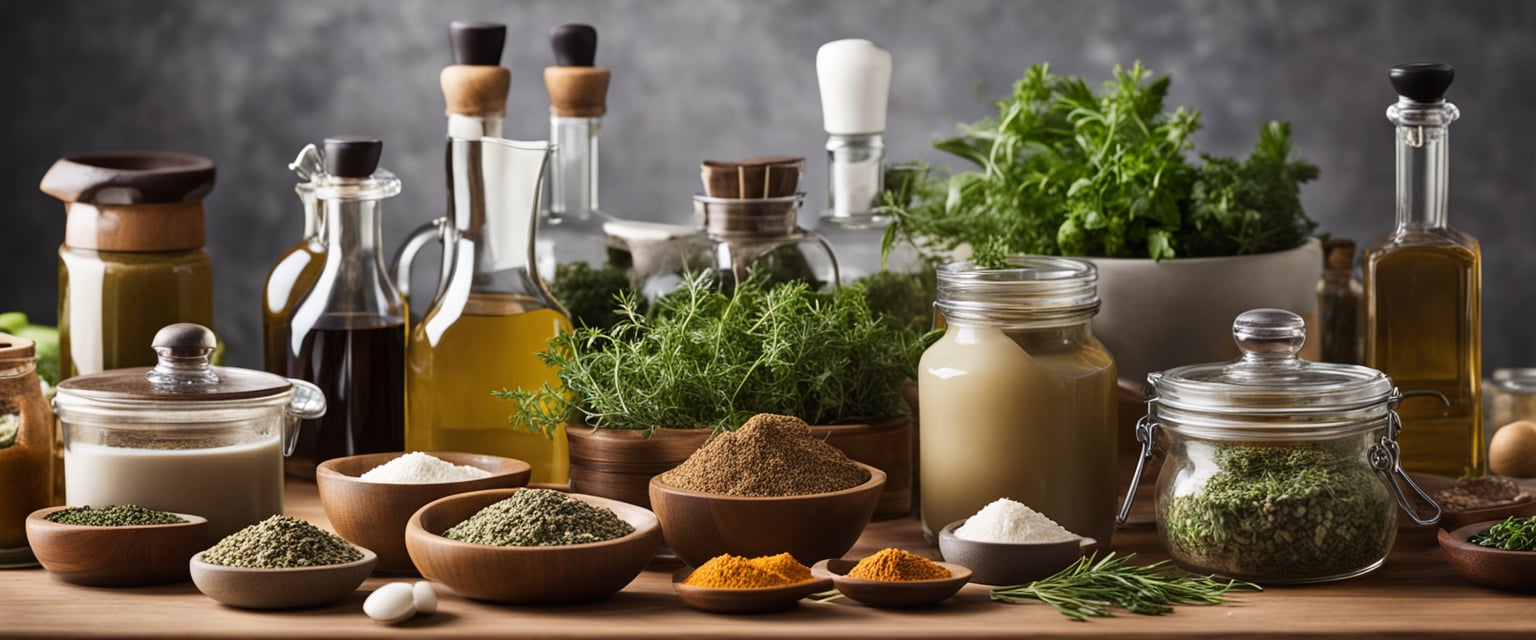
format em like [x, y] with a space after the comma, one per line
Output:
[369, 498]
[1007, 543]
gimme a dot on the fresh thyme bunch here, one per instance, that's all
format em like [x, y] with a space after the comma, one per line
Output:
[1513, 534]
[701, 359]
[1091, 586]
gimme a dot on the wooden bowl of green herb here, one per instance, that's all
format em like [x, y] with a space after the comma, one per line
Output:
[120, 546]
[1496, 553]
[506, 557]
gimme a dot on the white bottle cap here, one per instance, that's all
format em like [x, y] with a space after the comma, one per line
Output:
[855, 79]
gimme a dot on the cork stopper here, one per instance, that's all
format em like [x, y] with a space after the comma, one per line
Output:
[1339, 254]
[476, 85]
[755, 177]
[577, 89]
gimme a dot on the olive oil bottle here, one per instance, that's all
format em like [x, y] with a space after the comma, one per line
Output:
[1423, 290]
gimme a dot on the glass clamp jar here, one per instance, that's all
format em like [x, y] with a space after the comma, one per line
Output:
[1279, 470]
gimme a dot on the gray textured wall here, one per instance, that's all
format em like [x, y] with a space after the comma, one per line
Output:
[248, 83]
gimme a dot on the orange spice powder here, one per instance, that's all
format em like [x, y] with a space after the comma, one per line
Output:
[735, 572]
[895, 565]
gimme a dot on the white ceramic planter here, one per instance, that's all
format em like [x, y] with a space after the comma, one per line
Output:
[1158, 315]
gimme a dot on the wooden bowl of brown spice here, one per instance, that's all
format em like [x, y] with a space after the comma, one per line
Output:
[766, 488]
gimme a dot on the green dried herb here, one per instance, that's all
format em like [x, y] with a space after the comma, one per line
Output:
[1307, 510]
[539, 518]
[1091, 586]
[123, 515]
[702, 359]
[281, 542]
[1513, 534]
[590, 295]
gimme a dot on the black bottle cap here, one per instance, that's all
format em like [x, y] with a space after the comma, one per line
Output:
[1422, 81]
[352, 156]
[575, 45]
[477, 42]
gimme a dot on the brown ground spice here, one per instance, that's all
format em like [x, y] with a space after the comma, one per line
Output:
[769, 456]
[1479, 493]
[735, 572]
[895, 565]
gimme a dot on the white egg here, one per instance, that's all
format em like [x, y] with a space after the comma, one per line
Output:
[425, 597]
[391, 603]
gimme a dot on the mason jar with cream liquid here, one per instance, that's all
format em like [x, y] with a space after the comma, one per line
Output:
[1018, 398]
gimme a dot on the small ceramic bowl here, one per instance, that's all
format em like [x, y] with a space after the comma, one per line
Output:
[699, 526]
[567, 573]
[373, 514]
[764, 600]
[1510, 570]
[1452, 520]
[1007, 563]
[892, 595]
[128, 556]
[295, 588]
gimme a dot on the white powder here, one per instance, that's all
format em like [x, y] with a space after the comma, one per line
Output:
[1011, 521]
[420, 468]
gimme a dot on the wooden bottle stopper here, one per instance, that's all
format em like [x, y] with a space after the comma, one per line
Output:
[577, 92]
[476, 90]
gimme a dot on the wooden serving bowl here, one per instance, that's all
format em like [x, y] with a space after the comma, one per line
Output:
[1509, 570]
[566, 573]
[127, 556]
[1452, 520]
[294, 588]
[699, 526]
[762, 600]
[891, 595]
[1009, 563]
[373, 514]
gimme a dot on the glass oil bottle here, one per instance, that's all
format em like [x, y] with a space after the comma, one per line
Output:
[296, 270]
[1423, 290]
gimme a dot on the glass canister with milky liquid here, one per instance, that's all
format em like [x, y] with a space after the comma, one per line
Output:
[1018, 397]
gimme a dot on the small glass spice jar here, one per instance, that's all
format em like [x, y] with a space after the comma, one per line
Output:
[1278, 470]
[26, 448]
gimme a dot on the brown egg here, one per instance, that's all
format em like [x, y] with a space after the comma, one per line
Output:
[1513, 450]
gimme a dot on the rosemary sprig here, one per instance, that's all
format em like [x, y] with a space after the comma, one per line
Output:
[1091, 586]
[1513, 534]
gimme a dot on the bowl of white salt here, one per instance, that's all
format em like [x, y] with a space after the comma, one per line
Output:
[369, 498]
[1008, 543]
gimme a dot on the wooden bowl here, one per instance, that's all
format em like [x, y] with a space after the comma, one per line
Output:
[619, 463]
[373, 514]
[764, 600]
[567, 573]
[1009, 563]
[699, 526]
[1452, 520]
[891, 595]
[294, 588]
[1510, 570]
[116, 556]
[884, 445]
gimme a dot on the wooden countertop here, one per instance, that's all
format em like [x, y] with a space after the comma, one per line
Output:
[1414, 594]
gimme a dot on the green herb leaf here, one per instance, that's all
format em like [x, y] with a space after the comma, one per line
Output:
[1513, 534]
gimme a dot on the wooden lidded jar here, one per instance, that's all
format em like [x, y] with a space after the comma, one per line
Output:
[133, 259]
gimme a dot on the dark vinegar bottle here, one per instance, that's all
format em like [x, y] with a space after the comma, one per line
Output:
[348, 334]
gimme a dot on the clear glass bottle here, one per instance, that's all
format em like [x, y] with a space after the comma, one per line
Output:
[1278, 470]
[1017, 399]
[1338, 303]
[758, 237]
[296, 270]
[1423, 290]
[133, 258]
[26, 448]
[492, 313]
[348, 334]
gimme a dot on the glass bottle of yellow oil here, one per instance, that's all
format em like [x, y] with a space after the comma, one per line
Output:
[1423, 290]
[492, 312]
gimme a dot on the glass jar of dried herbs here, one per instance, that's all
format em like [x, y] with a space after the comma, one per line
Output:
[1278, 470]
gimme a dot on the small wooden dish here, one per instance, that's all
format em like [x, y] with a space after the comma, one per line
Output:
[373, 514]
[1004, 563]
[700, 526]
[1452, 520]
[764, 600]
[569, 573]
[128, 556]
[295, 588]
[1509, 570]
[891, 595]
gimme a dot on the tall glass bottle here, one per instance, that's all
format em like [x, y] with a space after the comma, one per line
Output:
[1338, 303]
[1423, 289]
[347, 336]
[296, 270]
[492, 313]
